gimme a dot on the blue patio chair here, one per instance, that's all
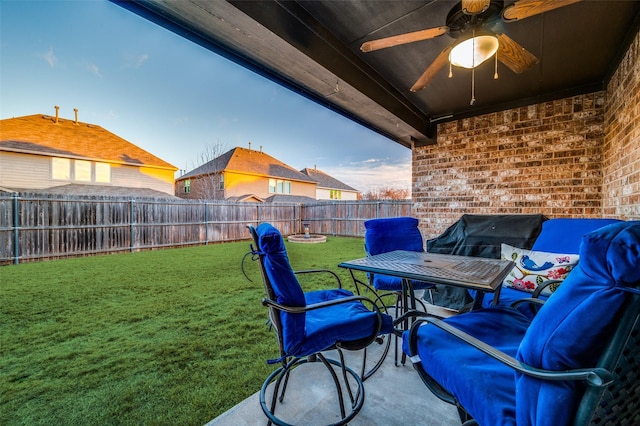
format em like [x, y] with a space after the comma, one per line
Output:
[559, 235]
[574, 363]
[389, 234]
[308, 323]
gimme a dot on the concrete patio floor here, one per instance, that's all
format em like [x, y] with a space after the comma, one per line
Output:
[393, 396]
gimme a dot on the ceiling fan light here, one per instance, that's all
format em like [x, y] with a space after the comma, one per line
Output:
[474, 51]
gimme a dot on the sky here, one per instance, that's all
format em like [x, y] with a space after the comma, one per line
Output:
[173, 97]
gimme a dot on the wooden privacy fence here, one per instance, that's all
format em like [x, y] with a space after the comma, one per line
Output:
[44, 227]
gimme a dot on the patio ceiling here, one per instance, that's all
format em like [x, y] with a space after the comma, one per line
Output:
[313, 47]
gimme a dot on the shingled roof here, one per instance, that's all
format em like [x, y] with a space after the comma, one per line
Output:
[326, 181]
[80, 190]
[44, 135]
[249, 161]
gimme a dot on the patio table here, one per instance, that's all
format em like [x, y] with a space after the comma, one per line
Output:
[474, 273]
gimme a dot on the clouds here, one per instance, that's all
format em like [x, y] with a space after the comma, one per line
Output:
[93, 69]
[131, 61]
[50, 58]
[54, 62]
[135, 61]
[373, 174]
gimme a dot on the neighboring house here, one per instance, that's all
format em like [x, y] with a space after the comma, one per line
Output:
[243, 174]
[330, 188]
[40, 153]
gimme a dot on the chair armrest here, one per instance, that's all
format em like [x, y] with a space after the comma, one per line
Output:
[313, 271]
[301, 309]
[536, 293]
[594, 376]
[532, 300]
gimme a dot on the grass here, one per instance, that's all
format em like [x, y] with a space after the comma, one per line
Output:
[164, 337]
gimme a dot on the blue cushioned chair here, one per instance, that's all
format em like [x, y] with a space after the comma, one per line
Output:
[390, 234]
[574, 363]
[308, 323]
[560, 235]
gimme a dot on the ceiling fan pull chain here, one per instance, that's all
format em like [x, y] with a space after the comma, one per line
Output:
[495, 74]
[450, 70]
[473, 86]
[473, 69]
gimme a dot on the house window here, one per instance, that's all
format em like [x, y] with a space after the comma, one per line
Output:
[221, 182]
[278, 186]
[334, 194]
[60, 168]
[83, 170]
[103, 172]
[187, 186]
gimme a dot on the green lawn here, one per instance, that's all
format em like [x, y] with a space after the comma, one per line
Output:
[167, 337]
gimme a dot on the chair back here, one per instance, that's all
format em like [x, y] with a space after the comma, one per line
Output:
[577, 321]
[393, 233]
[564, 235]
[281, 284]
[608, 405]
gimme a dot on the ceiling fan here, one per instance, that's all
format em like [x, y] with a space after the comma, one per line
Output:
[470, 22]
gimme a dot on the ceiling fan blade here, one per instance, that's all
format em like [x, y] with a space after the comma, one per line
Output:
[474, 7]
[441, 60]
[514, 56]
[525, 8]
[403, 39]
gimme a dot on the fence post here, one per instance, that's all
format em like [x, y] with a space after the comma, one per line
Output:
[206, 224]
[131, 225]
[333, 219]
[16, 227]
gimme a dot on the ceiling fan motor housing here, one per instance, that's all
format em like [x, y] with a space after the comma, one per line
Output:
[459, 22]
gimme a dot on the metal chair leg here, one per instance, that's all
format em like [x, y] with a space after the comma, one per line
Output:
[280, 376]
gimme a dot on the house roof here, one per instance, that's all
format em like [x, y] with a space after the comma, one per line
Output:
[251, 198]
[79, 190]
[249, 161]
[42, 135]
[326, 181]
[285, 198]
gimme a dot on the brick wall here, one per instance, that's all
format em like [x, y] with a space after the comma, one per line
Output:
[621, 150]
[544, 158]
[574, 157]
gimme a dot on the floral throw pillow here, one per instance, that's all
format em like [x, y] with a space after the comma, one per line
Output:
[535, 267]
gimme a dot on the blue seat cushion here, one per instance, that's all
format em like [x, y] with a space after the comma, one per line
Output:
[345, 322]
[389, 283]
[484, 386]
